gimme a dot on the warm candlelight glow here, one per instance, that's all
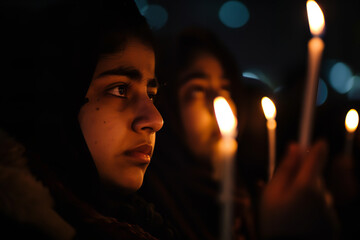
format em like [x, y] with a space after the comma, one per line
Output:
[351, 120]
[268, 108]
[315, 17]
[227, 147]
[315, 49]
[225, 117]
[270, 113]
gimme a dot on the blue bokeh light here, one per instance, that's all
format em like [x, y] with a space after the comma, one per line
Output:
[354, 93]
[322, 93]
[258, 75]
[156, 16]
[340, 77]
[251, 75]
[234, 14]
[142, 6]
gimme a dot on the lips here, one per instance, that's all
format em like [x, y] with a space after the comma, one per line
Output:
[142, 153]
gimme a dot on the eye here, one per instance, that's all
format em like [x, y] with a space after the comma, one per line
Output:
[226, 89]
[193, 92]
[197, 88]
[225, 92]
[196, 91]
[119, 90]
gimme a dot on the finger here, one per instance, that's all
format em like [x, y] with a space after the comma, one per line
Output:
[313, 164]
[289, 166]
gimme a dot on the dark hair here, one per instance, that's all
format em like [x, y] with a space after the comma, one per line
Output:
[194, 41]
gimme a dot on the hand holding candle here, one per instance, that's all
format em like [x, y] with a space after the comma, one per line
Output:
[351, 123]
[270, 114]
[315, 49]
[227, 150]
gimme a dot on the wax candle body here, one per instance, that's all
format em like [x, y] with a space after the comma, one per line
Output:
[271, 126]
[227, 151]
[315, 50]
[349, 143]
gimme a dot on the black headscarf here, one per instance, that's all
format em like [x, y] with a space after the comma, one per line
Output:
[51, 52]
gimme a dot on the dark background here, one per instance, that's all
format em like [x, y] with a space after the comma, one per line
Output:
[273, 42]
[275, 37]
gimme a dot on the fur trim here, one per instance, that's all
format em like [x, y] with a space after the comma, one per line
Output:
[22, 197]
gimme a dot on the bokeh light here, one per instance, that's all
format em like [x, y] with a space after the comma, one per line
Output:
[142, 6]
[234, 14]
[156, 16]
[340, 77]
[322, 93]
[257, 74]
[251, 75]
[354, 93]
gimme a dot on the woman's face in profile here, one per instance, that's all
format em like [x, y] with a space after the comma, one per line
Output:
[204, 80]
[119, 121]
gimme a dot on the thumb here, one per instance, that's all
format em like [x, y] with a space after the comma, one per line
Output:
[313, 163]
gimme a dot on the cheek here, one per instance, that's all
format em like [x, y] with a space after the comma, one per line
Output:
[99, 125]
[232, 105]
[197, 120]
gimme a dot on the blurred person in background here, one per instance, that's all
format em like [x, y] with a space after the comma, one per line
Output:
[183, 182]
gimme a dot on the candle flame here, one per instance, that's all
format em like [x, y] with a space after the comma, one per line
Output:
[315, 17]
[268, 108]
[351, 120]
[225, 117]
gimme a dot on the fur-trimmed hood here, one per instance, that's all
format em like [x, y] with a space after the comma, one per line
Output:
[27, 207]
[23, 198]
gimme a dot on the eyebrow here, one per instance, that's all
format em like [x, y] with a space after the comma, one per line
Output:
[195, 75]
[201, 75]
[131, 73]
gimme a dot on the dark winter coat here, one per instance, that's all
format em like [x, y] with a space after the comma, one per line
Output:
[31, 208]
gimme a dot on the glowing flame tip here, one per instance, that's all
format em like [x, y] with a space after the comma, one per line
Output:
[268, 108]
[315, 17]
[225, 117]
[351, 120]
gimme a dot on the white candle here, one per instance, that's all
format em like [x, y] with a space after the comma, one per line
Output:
[351, 123]
[227, 151]
[315, 49]
[270, 114]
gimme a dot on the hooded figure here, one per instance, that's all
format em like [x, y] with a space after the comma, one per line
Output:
[80, 122]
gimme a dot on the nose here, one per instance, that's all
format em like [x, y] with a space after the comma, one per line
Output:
[148, 118]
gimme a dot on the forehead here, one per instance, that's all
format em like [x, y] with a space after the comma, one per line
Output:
[204, 67]
[134, 55]
[206, 62]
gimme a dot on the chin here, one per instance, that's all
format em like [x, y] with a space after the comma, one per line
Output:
[132, 184]
[126, 182]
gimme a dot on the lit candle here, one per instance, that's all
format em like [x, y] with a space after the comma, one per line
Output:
[315, 49]
[270, 114]
[351, 123]
[227, 149]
